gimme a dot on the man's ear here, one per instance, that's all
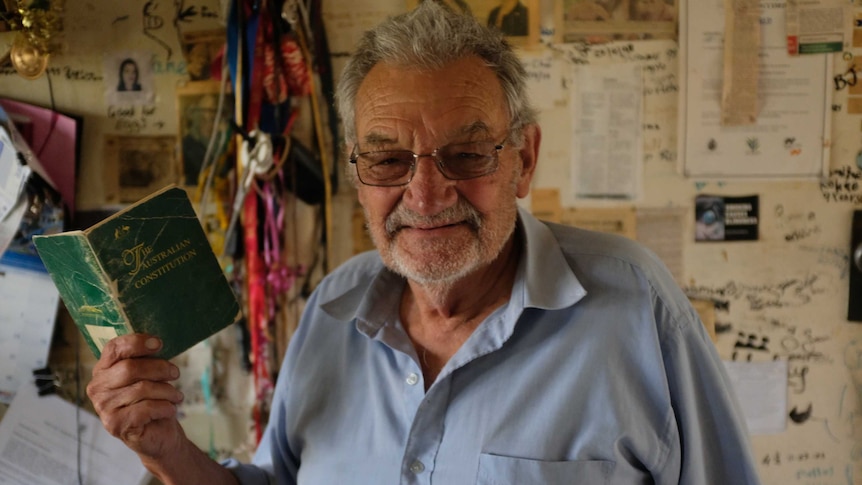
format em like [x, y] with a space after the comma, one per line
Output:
[529, 156]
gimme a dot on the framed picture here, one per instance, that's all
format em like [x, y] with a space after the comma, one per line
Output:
[519, 20]
[136, 166]
[199, 50]
[197, 106]
[597, 21]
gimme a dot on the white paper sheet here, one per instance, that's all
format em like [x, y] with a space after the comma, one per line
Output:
[39, 446]
[28, 308]
[761, 388]
[10, 224]
[607, 146]
[792, 134]
[12, 174]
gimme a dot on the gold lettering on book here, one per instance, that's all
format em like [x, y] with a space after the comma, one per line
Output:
[139, 256]
[165, 268]
[135, 256]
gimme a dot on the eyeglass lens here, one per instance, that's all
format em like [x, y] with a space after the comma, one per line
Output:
[457, 161]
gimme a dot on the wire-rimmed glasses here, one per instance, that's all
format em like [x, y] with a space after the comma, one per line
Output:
[456, 161]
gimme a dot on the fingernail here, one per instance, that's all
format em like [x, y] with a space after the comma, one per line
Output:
[152, 343]
[175, 372]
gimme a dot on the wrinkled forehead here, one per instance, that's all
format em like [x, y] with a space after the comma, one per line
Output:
[462, 97]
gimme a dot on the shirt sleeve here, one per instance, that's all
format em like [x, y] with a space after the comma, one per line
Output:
[248, 474]
[713, 441]
[273, 463]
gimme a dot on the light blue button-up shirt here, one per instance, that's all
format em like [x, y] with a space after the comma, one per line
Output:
[597, 371]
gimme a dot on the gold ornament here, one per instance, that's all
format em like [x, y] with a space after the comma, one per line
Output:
[39, 23]
[27, 59]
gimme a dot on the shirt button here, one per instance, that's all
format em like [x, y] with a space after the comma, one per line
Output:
[412, 379]
[417, 467]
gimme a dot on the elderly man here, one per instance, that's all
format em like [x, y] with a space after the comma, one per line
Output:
[477, 345]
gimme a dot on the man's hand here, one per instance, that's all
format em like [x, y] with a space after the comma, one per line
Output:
[133, 396]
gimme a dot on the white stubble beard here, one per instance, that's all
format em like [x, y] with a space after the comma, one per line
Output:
[452, 261]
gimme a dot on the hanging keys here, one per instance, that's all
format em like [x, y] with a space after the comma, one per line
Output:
[255, 160]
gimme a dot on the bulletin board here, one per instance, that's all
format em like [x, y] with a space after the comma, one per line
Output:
[779, 295]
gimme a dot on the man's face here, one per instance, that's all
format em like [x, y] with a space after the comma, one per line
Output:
[436, 230]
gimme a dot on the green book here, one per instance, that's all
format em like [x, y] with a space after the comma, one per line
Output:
[147, 269]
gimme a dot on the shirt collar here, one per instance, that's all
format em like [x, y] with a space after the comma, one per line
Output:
[544, 280]
[545, 277]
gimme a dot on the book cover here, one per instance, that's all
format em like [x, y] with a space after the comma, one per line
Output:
[148, 269]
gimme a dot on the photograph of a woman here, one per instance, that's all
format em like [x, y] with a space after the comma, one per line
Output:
[129, 76]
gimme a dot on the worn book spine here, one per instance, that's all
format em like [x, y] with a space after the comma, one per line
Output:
[147, 269]
[88, 294]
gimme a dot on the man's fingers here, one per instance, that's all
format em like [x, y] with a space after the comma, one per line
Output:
[131, 422]
[110, 401]
[129, 371]
[128, 347]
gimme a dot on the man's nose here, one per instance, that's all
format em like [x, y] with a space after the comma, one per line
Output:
[429, 191]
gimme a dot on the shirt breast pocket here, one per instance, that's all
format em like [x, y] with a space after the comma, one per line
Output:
[507, 470]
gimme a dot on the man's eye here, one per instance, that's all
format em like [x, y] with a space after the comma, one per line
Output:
[467, 156]
[383, 161]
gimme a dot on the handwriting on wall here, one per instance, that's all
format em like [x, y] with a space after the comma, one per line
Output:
[788, 292]
[162, 20]
[796, 226]
[169, 67]
[846, 79]
[777, 457]
[134, 119]
[833, 257]
[842, 185]
[67, 72]
[806, 350]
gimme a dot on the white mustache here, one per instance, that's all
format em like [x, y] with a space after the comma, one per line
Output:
[461, 212]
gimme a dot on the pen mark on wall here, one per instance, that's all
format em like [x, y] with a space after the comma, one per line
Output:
[838, 258]
[777, 458]
[847, 79]
[154, 22]
[800, 417]
[128, 120]
[842, 185]
[751, 343]
[787, 293]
